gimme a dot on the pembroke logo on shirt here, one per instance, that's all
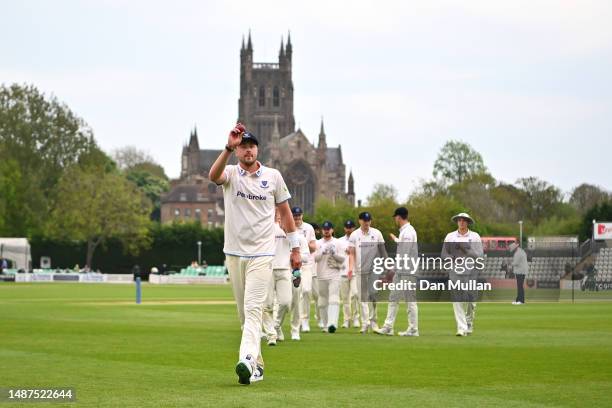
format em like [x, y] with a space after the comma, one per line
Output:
[256, 197]
[264, 184]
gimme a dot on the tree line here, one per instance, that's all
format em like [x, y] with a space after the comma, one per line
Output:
[61, 190]
[461, 182]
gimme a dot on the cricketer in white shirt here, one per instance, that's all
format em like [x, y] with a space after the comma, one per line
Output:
[370, 240]
[406, 245]
[252, 193]
[309, 289]
[467, 245]
[330, 259]
[349, 296]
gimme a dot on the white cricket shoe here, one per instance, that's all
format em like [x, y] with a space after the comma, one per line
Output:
[356, 323]
[470, 329]
[280, 336]
[257, 374]
[345, 325]
[373, 325]
[245, 368]
[385, 331]
[409, 333]
[305, 326]
[320, 324]
[461, 333]
[364, 329]
[272, 342]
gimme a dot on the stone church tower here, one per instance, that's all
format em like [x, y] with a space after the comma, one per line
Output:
[266, 94]
[265, 106]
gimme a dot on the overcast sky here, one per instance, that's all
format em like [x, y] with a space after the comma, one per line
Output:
[527, 83]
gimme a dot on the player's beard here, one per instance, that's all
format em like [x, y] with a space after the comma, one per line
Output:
[248, 160]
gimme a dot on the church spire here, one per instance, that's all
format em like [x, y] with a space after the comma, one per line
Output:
[289, 47]
[242, 46]
[322, 138]
[249, 43]
[351, 184]
[281, 53]
[193, 140]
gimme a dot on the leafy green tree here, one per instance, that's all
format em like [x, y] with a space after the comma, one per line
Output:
[130, 156]
[431, 216]
[44, 137]
[382, 194]
[337, 213]
[96, 206]
[542, 198]
[601, 212]
[456, 162]
[140, 168]
[475, 193]
[586, 196]
[10, 196]
[151, 184]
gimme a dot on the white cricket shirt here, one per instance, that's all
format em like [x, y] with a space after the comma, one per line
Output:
[309, 234]
[282, 249]
[343, 242]
[359, 238]
[250, 200]
[327, 249]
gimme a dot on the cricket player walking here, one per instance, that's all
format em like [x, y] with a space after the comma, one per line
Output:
[309, 282]
[330, 261]
[365, 244]
[349, 297]
[294, 308]
[280, 285]
[406, 245]
[463, 244]
[251, 193]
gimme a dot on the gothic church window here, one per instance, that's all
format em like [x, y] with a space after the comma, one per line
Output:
[301, 184]
[276, 97]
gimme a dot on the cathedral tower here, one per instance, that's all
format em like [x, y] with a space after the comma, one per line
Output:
[266, 94]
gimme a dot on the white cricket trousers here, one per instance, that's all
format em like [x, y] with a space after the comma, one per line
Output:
[250, 281]
[280, 285]
[310, 291]
[293, 308]
[413, 315]
[465, 312]
[368, 309]
[329, 301]
[349, 298]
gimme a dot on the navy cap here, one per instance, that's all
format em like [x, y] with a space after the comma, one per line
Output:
[402, 212]
[365, 216]
[328, 225]
[349, 224]
[249, 137]
[297, 211]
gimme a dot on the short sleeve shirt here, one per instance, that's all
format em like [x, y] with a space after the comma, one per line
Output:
[343, 243]
[360, 240]
[250, 200]
[309, 234]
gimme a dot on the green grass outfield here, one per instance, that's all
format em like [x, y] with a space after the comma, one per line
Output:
[179, 351]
